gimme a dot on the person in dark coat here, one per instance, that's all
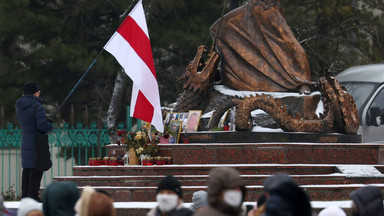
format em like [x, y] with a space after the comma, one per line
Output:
[285, 197]
[31, 116]
[367, 201]
[169, 197]
[59, 198]
[226, 193]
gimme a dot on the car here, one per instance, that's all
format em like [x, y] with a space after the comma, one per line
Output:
[366, 85]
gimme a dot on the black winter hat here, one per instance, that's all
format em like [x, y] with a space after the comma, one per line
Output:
[170, 183]
[31, 87]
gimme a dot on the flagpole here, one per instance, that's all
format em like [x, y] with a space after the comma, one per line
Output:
[77, 84]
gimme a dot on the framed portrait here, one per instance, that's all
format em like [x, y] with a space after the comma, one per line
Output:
[171, 116]
[175, 116]
[193, 120]
[175, 128]
[183, 117]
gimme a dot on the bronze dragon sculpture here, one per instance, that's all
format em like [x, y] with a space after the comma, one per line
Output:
[340, 112]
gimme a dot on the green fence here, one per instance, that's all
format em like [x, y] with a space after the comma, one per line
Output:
[69, 146]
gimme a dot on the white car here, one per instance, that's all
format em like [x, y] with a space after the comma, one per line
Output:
[366, 84]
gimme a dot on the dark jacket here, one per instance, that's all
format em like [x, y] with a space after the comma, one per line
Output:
[59, 198]
[368, 200]
[219, 180]
[29, 118]
[288, 199]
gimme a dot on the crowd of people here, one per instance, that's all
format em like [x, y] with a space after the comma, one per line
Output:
[224, 196]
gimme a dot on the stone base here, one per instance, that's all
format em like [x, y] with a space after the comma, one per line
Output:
[261, 137]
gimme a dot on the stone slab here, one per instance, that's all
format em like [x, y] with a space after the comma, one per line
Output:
[260, 137]
[267, 153]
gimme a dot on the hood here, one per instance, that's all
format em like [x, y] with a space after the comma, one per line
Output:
[289, 198]
[26, 101]
[59, 199]
[221, 179]
[369, 200]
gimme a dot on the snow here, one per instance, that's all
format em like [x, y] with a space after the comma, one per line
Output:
[320, 108]
[189, 176]
[208, 114]
[264, 129]
[230, 92]
[114, 144]
[372, 144]
[360, 171]
[231, 165]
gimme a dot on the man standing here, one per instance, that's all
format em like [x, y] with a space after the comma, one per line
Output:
[31, 116]
[169, 198]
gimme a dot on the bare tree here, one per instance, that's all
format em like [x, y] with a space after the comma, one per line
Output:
[115, 104]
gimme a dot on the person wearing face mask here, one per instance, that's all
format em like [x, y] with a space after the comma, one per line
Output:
[170, 199]
[226, 192]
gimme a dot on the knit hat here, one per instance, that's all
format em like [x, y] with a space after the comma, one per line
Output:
[170, 183]
[199, 199]
[31, 87]
[332, 211]
[27, 205]
[273, 181]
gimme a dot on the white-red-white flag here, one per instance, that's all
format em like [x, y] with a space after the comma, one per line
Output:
[131, 47]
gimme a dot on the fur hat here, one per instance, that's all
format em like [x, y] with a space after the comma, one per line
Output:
[332, 211]
[31, 87]
[170, 183]
[101, 204]
[82, 204]
[199, 199]
[27, 205]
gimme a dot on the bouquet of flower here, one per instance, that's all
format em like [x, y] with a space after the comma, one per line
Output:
[143, 142]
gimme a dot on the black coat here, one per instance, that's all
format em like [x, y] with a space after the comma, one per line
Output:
[30, 114]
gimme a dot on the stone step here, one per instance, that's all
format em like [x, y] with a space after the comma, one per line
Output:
[199, 169]
[262, 153]
[315, 192]
[201, 180]
[141, 208]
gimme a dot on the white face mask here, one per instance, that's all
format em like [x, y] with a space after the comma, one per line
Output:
[233, 197]
[166, 202]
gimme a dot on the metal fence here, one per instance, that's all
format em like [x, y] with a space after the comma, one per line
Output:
[69, 147]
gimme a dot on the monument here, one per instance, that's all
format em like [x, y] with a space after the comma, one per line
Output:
[256, 51]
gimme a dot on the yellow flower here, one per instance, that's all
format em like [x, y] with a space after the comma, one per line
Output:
[139, 150]
[147, 125]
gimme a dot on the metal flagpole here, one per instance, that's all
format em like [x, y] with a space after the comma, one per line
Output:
[77, 84]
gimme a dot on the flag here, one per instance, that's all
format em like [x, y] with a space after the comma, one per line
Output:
[131, 47]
